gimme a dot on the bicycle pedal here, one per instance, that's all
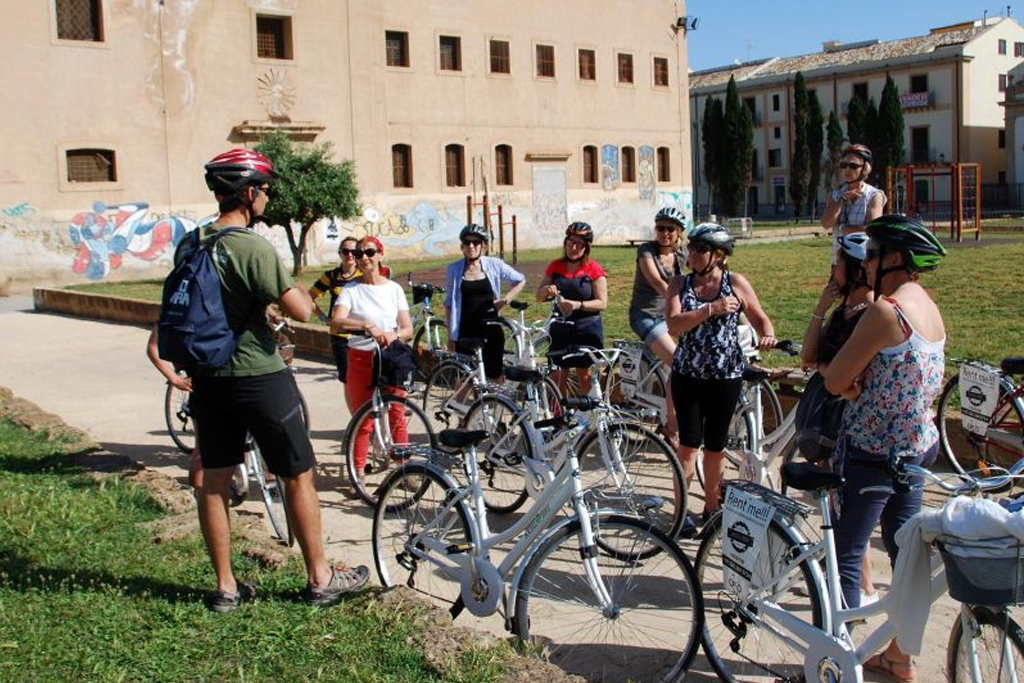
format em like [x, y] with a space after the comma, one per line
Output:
[457, 548]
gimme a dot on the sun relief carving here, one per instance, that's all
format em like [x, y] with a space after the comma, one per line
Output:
[276, 94]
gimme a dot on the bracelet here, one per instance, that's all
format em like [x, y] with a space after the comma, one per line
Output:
[817, 317]
[580, 307]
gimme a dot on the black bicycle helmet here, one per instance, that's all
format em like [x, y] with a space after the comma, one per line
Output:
[715, 236]
[921, 250]
[858, 150]
[581, 230]
[670, 214]
[475, 230]
[230, 173]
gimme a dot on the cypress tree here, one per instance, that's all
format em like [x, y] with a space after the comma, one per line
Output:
[736, 152]
[871, 129]
[835, 151]
[816, 147]
[890, 132]
[855, 129]
[800, 160]
[712, 136]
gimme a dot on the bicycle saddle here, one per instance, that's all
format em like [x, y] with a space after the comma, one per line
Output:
[520, 373]
[519, 305]
[461, 438]
[805, 476]
[752, 373]
[1014, 365]
[571, 357]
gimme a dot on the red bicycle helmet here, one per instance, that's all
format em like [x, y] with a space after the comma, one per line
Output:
[233, 171]
[581, 230]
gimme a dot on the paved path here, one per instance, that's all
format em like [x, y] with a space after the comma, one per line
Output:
[96, 377]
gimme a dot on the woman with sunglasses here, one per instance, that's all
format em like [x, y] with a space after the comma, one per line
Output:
[657, 262]
[849, 208]
[473, 296]
[890, 370]
[375, 307]
[579, 285]
[332, 281]
[703, 308]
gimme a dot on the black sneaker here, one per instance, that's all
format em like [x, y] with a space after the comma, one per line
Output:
[223, 601]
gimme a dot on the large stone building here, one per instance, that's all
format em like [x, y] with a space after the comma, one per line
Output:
[951, 82]
[559, 110]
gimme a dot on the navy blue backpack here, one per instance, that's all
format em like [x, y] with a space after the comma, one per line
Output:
[193, 331]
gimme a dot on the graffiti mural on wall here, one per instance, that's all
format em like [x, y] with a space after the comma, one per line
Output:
[609, 168]
[679, 200]
[423, 229]
[550, 211]
[645, 177]
[102, 237]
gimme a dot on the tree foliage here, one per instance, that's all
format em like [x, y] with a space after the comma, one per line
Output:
[816, 147]
[310, 187]
[871, 127]
[889, 132]
[713, 135]
[738, 145]
[835, 150]
[856, 130]
[799, 166]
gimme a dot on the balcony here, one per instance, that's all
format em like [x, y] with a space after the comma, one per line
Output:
[917, 100]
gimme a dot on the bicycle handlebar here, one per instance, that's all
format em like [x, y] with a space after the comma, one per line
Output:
[901, 471]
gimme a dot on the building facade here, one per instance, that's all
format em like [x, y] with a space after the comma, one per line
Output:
[557, 111]
[951, 82]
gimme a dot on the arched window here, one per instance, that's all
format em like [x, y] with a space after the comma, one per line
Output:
[401, 165]
[454, 166]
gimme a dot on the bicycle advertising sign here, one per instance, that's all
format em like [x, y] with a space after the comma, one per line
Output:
[979, 391]
[745, 522]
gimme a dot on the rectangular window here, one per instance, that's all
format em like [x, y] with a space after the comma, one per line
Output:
[1002, 139]
[396, 44]
[776, 102]
[664, 165]
[920, 145]
[1002, 46]
[625, 63]
[755, 165]
[861, 90]
[752, 106]
[919, 83]
[401, 165]
[1001, 177]
[454, 166]
[775, 158]
[588, 65]
[777, 132]
[661, 71]
[501, 63]
[79, 20]
[546, 61]
[450, 53]
[1018, 49]
[273, 37]
[1002, 82]
[590, 164]
[628, 165]
[503, 165]
[91, 165]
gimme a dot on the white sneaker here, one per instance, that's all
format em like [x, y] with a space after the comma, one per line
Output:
[866, 599]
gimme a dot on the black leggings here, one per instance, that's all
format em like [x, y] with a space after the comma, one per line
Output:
[704, 409]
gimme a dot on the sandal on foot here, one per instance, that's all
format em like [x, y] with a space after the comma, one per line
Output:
[344, 580]
[891, 668]
[224, 601]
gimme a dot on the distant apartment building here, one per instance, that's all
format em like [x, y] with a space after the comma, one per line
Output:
[558, 111]
[952, 83]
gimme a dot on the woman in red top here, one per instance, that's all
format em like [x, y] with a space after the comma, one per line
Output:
[581, 287]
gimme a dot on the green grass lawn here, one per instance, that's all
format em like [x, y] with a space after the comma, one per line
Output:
[978, 288]
[86, 595]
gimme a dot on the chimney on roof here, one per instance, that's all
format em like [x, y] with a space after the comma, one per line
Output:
[830, 45]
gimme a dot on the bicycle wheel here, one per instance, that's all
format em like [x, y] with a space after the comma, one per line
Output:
[548, 398]
[425, 345]
[739, 642]
[652, 487]
[648, 633]
[272, 489]
[179, 419]
[999, 643]
[647, 388]
[380, 454]
[500, 457]
[448, 376]
[771, 407]
[1003, 442]
[742, 426]
[412, 527]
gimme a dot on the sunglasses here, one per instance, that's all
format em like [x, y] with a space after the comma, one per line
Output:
[472, 243]
[360, 253]
[266, 190]
[575, 243]
[665, 228]
[845, 165]
[871, 253]
[347, 252]
[699, 248]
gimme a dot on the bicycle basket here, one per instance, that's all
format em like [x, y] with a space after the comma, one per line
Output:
[420, 293]
[984, 573]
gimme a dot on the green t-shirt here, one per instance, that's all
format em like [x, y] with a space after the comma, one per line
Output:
[252, 276]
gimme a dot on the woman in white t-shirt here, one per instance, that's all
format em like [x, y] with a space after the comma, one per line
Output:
[376, 307]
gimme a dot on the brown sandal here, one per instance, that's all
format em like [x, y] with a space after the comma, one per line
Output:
[891, 668]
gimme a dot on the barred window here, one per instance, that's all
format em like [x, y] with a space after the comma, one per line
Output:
[91, 165]
[588, 65]
[628, 165]
[396, 44]
[500, 61]
[661, 71]
[546, 61]
[625, 62]
[503, 165]
[454, 166]
[664, 167]
[79, 20]
[401, 165]
[273, 37]
[590, 166]
[450, 53]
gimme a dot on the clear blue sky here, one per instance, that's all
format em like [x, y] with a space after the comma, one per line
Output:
[731, 30]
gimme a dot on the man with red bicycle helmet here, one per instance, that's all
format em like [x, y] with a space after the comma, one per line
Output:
[254, 393]
[855, 203]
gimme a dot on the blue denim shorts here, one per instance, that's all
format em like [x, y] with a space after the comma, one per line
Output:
[647, 327]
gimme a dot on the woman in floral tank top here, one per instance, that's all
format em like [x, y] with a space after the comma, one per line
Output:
[891, 371]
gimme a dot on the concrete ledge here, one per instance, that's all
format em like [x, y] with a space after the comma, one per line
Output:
[310, 340]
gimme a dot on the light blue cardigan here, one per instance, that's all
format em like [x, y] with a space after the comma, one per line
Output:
[496, 270]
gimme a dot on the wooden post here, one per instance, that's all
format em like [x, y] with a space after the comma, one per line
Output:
[487, 215]
[515, 244]
[501, 233]
[469, 209]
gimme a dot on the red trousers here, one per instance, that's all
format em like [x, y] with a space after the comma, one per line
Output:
[358, 390]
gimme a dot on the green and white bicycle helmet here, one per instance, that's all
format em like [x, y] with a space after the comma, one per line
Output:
[922, 251]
